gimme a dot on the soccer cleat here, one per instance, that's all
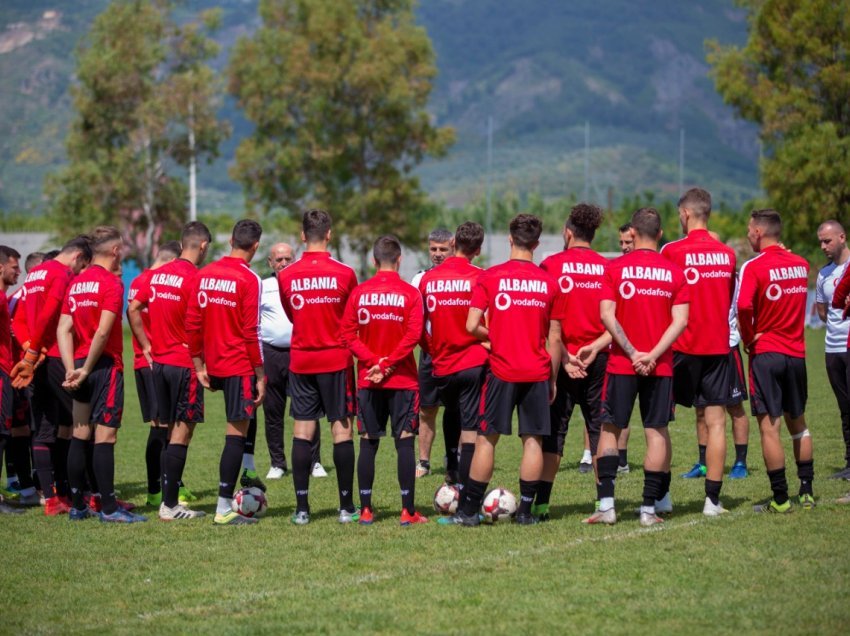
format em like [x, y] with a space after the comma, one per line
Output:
[154, 500]
[585, 467]
[232, 518]
[318, 470]
[844, 473]
[664, 506]
[844, 499]
[452, 477]
[739, 471]
[121, 516]
[541, 511]
[712, 510]
[12, 484]
[275, 472]
[348, 517]
[185, 496]
[79, 515]
[408, 519]
[697, 472]
[460, 519]
[366, 516]
[9, 495]
[302, 517]
[621, 470]
[608, 517]
[250, 479]
[648, 519]
[55, 506]
[525, 519]
[806, 501]
[423, 468]
[6, 509]
[32, 500]
[179, 512]
[772, 507]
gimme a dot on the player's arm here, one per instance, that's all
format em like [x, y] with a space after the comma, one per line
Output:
[134, 317]
[587, 354]
[251, 333]
[98, 343]
[65, 342]
[349, 334]
[747, 288]
[284, 301]
[475, 324]
[412, 335]
[553, 348]
[821, 309]
[608, 314]
[678, 322]
[46, 322]
[195, 335]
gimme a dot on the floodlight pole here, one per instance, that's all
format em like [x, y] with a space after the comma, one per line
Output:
[586, 161]
[681, 161]
[489, 220]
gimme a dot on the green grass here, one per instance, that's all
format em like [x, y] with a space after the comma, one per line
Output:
[740, 573]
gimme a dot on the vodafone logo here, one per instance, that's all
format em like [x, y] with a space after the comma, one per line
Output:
[627, 289]
[297, 301]
[153, 294]
[773, 292]
[566, 283]
[431, 303]
[503, 301]
[72, 303]
[691, 275]
[202, 299]
[363, 316]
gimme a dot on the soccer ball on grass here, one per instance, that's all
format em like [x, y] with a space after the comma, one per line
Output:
[498, 505]
[250, 502]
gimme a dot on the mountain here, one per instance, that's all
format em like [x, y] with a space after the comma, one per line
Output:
[632, 74]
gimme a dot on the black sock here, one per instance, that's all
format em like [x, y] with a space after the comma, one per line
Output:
[544, 491]
[741, 453]
[43, 462]
[316, 447]
[175, 462]
[103, 460]
[60, 466]
[474, 491]
[702, 449]
[157, 439]
[251, 437]
[623, 459]
[344, 464]
[451, 437]
[406, 468]
[90, 474]
[163, 460]
[7, 457]
[527, 490]
[466, 452]
[806, 475]
[301, 465]
[778, 485]
[366, 469]
[228, 467]
[652, 481]
[712, 490]
[665, 483]
[19, 449]
[607, 467]
[77, 472]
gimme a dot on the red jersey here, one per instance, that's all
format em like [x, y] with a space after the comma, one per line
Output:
[20, 331]
[709, 267]
[6, 360]
[446, 291]
[313, 292]
[579, 272]
[645, 286]
[223, 318]
[139, 361]
[520, 298]
[383, 319]
[165, 296]
[91, 293]
[46, 287]
[772, 302]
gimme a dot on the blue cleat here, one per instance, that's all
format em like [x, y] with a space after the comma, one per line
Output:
[697, 472]
[79, 515]
[121, 516]
[739, 471]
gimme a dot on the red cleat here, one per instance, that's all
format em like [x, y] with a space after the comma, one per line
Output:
[366, 517]
[94, 504]
[408, 519]
[54, 507]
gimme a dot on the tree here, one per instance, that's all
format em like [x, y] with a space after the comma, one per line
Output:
[793, 78]
[145, 102]
[337, 91]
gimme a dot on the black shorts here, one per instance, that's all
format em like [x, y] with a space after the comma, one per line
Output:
[778, 384]
[463, 389]
[146, 390]
[498, 399]
[738, 392]
[179, 394]
[7, 407]
[51, 404]
[21, 408]
[103, 390]
[239, 394]
[317, 395]
[429, 396]
[656, 399]
[701, 380]
[587, 394]
[375, 406]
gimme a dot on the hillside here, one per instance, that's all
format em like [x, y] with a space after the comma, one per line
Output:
[635, 72]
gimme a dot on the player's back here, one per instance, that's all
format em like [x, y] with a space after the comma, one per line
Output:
[46, 286]
[91, 293]
[168, 292]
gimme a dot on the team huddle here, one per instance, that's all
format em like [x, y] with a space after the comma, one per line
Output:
[655, 327]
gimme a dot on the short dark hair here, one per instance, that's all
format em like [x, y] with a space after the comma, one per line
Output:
[769, 220]
[194, 233]
[646, 222]
[316, 224]
[245, 233]
[583, 221]
[171, 248]
[7, 252]
[440, 235]
[81, 242]
[49, 256]
[387, 249]
[525, 231]
[625, 227]
[34, 259]
[468, 238]
[697, 201]
[102, 236]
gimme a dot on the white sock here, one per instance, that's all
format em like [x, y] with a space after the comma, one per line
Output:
[224, 506]
[586, 457]
[647, 509]
[248, 461]
[606, 503]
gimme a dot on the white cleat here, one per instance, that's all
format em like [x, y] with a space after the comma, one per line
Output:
[607, 517]
[275, 473]
[648, 519]
[710, 510]
[319, 470]
[178, 512]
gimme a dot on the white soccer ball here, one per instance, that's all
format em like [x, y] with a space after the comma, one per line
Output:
[446, 499]
[499, 505]
[250, 502]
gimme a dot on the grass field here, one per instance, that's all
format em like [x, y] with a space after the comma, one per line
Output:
[741, 573]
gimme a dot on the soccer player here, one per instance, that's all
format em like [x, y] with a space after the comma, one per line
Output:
[627, 244]
[702, 377]
[459, 359]
[439, 249]
[180, 398]
[578, 270]
[91, 344]
[771, 317]
[46, 286]
[381, 326]
[644, 307]
[223, 332]
[143, 370]
[833, 242]
[524, 332]
[313, 292]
